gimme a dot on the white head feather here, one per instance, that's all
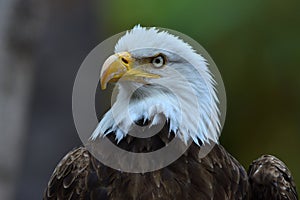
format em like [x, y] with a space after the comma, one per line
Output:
[185, 94]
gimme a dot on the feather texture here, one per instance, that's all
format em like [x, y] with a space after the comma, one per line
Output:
[269, 177]
[217, 176]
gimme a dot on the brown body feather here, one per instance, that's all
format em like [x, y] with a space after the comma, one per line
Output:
[217, 176]
[269, 177]
[80, 176]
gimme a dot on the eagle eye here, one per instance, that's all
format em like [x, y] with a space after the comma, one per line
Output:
[158, 61]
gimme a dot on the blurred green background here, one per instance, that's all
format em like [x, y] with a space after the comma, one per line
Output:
[255, 44]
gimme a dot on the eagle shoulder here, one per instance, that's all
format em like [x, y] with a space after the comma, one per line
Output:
[76, 177]
[270, 178]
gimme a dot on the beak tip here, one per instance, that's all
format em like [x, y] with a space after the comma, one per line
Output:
[103, 85]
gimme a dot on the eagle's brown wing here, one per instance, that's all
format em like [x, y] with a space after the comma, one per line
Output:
[76, 177]
[271, 179]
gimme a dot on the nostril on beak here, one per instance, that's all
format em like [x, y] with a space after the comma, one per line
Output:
[124, 61]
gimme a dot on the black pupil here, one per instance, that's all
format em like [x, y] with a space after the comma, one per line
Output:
[157, 61]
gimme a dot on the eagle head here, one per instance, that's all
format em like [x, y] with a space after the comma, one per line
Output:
[160, 78]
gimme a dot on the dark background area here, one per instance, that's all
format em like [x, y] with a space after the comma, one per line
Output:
[256, 46]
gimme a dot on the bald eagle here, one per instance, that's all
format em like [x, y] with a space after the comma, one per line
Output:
[163, 81]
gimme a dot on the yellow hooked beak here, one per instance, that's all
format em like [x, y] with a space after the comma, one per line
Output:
[121, 65]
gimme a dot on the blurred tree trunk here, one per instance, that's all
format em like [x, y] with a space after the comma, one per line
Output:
[68, 35]
[42, 44]
[18, 34]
